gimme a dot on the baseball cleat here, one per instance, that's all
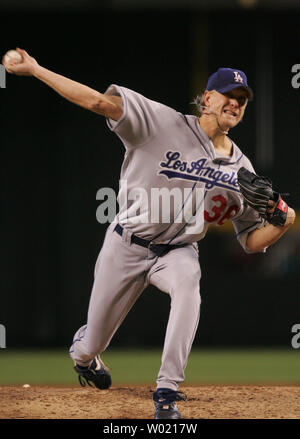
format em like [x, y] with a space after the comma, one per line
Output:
[165, 405]
[96, 374]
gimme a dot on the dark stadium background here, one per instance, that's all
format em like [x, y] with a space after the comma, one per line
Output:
[54, 156]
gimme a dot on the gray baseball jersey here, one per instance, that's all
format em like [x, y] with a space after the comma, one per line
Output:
[164, 150]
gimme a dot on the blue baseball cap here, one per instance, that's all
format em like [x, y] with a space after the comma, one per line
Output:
[226, 79]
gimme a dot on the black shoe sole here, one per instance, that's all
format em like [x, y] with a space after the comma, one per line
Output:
[101, 381]
[105, 382]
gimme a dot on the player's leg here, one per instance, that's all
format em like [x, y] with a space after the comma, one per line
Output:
[119, 281]
[178, 274]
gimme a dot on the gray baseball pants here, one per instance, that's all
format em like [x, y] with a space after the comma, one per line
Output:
[123, 270]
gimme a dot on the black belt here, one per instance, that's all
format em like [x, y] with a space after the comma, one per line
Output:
[159, 249]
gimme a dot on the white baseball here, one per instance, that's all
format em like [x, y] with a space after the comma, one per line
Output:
[26, 386]
[12, 56]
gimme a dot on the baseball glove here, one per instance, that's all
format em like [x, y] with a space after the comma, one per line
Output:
[257, 192]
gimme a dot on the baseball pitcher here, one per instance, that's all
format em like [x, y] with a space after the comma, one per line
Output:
[156, 243]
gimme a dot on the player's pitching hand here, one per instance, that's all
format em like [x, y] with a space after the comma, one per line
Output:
[24, 68]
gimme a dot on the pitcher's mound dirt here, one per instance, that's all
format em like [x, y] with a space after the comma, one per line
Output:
[204, 402]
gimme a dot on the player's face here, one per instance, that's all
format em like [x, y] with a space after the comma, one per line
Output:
[229, 107]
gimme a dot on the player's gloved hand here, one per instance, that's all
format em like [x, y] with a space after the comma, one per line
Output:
[25, 68]
[258, 194]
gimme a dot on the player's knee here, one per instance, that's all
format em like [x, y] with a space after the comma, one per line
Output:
[187, 290]
[187, 302]
[192, 296]
[187, 277]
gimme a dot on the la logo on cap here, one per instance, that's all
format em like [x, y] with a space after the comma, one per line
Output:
[237, 77]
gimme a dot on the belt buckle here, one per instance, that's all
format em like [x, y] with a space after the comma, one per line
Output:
[149, 245]
[153, 243]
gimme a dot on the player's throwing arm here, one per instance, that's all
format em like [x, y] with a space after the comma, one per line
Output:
[19, 62]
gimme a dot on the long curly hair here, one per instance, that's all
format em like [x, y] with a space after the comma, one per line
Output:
[199, 102]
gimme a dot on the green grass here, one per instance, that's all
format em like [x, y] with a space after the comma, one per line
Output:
[141, 367]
